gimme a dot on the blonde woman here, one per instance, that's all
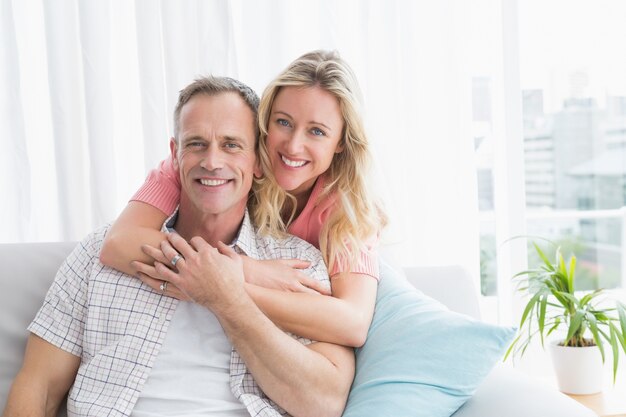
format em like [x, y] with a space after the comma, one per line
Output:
[314, 153]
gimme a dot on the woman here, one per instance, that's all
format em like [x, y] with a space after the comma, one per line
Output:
[314, 153]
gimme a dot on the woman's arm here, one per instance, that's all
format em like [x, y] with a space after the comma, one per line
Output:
[139, 224]
[141, 221]
[343, 318]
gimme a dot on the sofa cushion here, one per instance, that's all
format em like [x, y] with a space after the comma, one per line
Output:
[28, 269]
[420, 359]
[511, 393]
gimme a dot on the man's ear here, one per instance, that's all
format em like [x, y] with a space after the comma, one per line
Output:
[258, 172]
[174, 152]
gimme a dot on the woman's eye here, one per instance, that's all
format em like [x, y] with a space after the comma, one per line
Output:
[283, 122]
[318, 132]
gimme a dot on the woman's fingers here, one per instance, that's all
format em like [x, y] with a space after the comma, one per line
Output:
[145, 269]
[155, 276]
[164, 273]
[154, 253]
[181, 246]
[315, 285]
[170, 290]
[305, 289]
[224, 249]
[296, 263]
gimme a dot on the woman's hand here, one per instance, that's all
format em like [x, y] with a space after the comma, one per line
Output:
[148, 274]
[282, 274]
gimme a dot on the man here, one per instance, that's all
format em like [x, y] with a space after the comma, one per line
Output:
[125, 349]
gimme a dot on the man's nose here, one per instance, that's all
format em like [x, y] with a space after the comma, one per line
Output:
[213, 159]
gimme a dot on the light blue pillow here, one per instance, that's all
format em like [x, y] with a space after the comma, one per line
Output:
[420, 359]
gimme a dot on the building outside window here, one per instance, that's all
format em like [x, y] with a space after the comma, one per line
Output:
[573, 133]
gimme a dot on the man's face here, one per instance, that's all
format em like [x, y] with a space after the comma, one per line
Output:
[215, 153]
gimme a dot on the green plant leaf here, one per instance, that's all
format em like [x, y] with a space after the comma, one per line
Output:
[600, 315]
[557, 323]
[573, 301]
[529, 308]
[615, 349]
[588, 297]
[511, 346]
[593, 326]
[570, 275]
[574, 327]
[543, 257]
[621, 311]
[530, 271]
[542, 315]
[561, 262]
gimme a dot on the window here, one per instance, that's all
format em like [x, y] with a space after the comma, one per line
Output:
[573, 136]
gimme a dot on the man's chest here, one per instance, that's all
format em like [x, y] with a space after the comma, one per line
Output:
[123, 312]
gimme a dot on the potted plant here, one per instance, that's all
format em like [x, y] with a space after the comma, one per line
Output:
[589, 329]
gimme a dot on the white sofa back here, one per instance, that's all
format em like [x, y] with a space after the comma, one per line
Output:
[27, 272]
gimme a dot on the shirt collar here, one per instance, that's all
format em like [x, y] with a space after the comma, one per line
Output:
[245, 241]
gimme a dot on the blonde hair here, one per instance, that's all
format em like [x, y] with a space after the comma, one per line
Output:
[356, 216]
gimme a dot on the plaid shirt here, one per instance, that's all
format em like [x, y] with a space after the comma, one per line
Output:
[117, 324]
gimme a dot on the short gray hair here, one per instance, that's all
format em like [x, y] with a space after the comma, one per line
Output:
[212, 85]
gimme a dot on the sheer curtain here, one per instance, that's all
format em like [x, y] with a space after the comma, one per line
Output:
[88, 88]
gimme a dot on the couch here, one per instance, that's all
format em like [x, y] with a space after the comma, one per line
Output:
[29, 268]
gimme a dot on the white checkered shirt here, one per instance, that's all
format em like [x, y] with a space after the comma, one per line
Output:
[117, 324]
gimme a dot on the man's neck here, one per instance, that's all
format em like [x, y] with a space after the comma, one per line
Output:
[213, 228]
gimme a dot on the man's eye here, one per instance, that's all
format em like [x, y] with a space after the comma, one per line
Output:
[194, 143]
[318, 132]
[232, 145]
[283, 122]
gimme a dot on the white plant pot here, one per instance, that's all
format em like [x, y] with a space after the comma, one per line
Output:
[578, 369]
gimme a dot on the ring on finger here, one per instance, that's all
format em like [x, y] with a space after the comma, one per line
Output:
[175, 259]
[163, 287]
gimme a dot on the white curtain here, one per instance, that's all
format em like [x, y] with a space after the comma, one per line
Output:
[88, 88]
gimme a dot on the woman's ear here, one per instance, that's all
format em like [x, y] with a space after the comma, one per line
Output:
[174, 152]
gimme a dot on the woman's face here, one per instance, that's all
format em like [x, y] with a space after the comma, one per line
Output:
[305, 128]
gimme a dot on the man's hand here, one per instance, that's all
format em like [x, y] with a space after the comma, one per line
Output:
[278, 274]
[210, 276]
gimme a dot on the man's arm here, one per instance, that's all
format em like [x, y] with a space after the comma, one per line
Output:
[46, 375]
[311, 380]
